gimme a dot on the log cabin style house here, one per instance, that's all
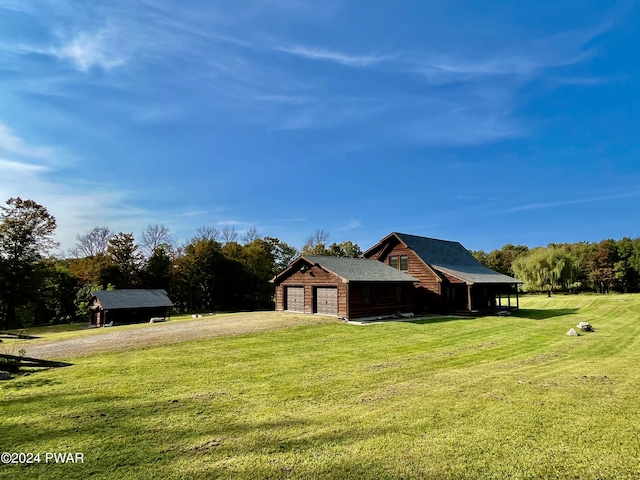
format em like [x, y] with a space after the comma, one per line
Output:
[400, 274]
[343, 287]
[110, 307]
[451, 279]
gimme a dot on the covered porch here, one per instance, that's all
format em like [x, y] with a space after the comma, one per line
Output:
[481, 299]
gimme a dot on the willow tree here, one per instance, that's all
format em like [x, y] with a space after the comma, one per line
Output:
[547, 269]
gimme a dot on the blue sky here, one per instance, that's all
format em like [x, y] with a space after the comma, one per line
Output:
[483, 122]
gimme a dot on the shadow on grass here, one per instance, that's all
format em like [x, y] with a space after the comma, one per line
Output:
[529, 313]
[25, 380]
[432, 320]
[536, 314]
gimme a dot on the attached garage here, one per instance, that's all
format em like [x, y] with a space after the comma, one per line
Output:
[343, 287]
[326, 299]
[294, 299]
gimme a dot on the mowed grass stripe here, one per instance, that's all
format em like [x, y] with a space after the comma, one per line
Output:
[492, 397]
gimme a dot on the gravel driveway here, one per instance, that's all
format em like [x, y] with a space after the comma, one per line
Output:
[120, 338]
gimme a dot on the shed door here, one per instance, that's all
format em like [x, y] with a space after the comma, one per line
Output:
[327, 300]
[294, 298]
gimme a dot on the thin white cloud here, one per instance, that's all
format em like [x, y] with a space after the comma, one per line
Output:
[351, 225]
[11, 143]
[455, 68]
[537, 206]
[92, 50]
[325, 112]
[526, 58]
[232, 223]
[286, 99]
[19, 168]
[75, 203]
[336, 57]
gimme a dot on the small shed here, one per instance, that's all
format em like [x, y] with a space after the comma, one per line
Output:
[344, 287]
[128, 306]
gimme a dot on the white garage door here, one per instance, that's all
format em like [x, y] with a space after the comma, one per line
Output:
[327, 300]
[294, 298]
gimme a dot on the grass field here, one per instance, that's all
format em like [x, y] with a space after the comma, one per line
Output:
[492, 397]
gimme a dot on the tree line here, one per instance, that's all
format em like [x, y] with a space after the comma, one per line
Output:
[215, 270]
[600, 267]
[222, 270]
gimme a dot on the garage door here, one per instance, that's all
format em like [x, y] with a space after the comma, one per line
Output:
[327, 300]
[294, 298]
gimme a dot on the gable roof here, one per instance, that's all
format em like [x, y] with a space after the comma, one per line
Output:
[353, 269]
[132, 298]
[452, 258]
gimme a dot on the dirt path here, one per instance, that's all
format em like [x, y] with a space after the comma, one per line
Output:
[117, 338]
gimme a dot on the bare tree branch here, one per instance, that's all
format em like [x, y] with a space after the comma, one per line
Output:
[155, 236]
[229, 234]
[251, 235]
[206, 233]
[92, 243]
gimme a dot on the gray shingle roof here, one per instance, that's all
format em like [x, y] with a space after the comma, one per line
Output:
[451, 257]
[360, 269]
[132, 298]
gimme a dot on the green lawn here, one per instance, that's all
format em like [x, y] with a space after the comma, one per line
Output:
[493, 397]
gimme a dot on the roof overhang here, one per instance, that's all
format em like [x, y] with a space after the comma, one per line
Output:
[295, 265]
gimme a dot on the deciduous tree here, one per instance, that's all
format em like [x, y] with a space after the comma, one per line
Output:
[281, 252]
[229, 234]
[601, 265]
[92, 243]
[26, 235]
[316, 243]
[153, 237]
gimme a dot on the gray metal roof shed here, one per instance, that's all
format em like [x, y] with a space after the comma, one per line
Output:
[132, 298]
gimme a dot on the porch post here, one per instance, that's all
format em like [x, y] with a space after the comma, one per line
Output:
[469, 297]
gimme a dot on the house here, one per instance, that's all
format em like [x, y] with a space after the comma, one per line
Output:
[450, 278]
[344, 287]
[128, 306]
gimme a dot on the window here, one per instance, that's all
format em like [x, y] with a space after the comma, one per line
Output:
[399, 294]
[401, 262]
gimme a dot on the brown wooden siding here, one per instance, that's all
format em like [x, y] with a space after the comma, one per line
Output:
[453, 279]
[383, 300]
[427, 295]
[350, 298]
